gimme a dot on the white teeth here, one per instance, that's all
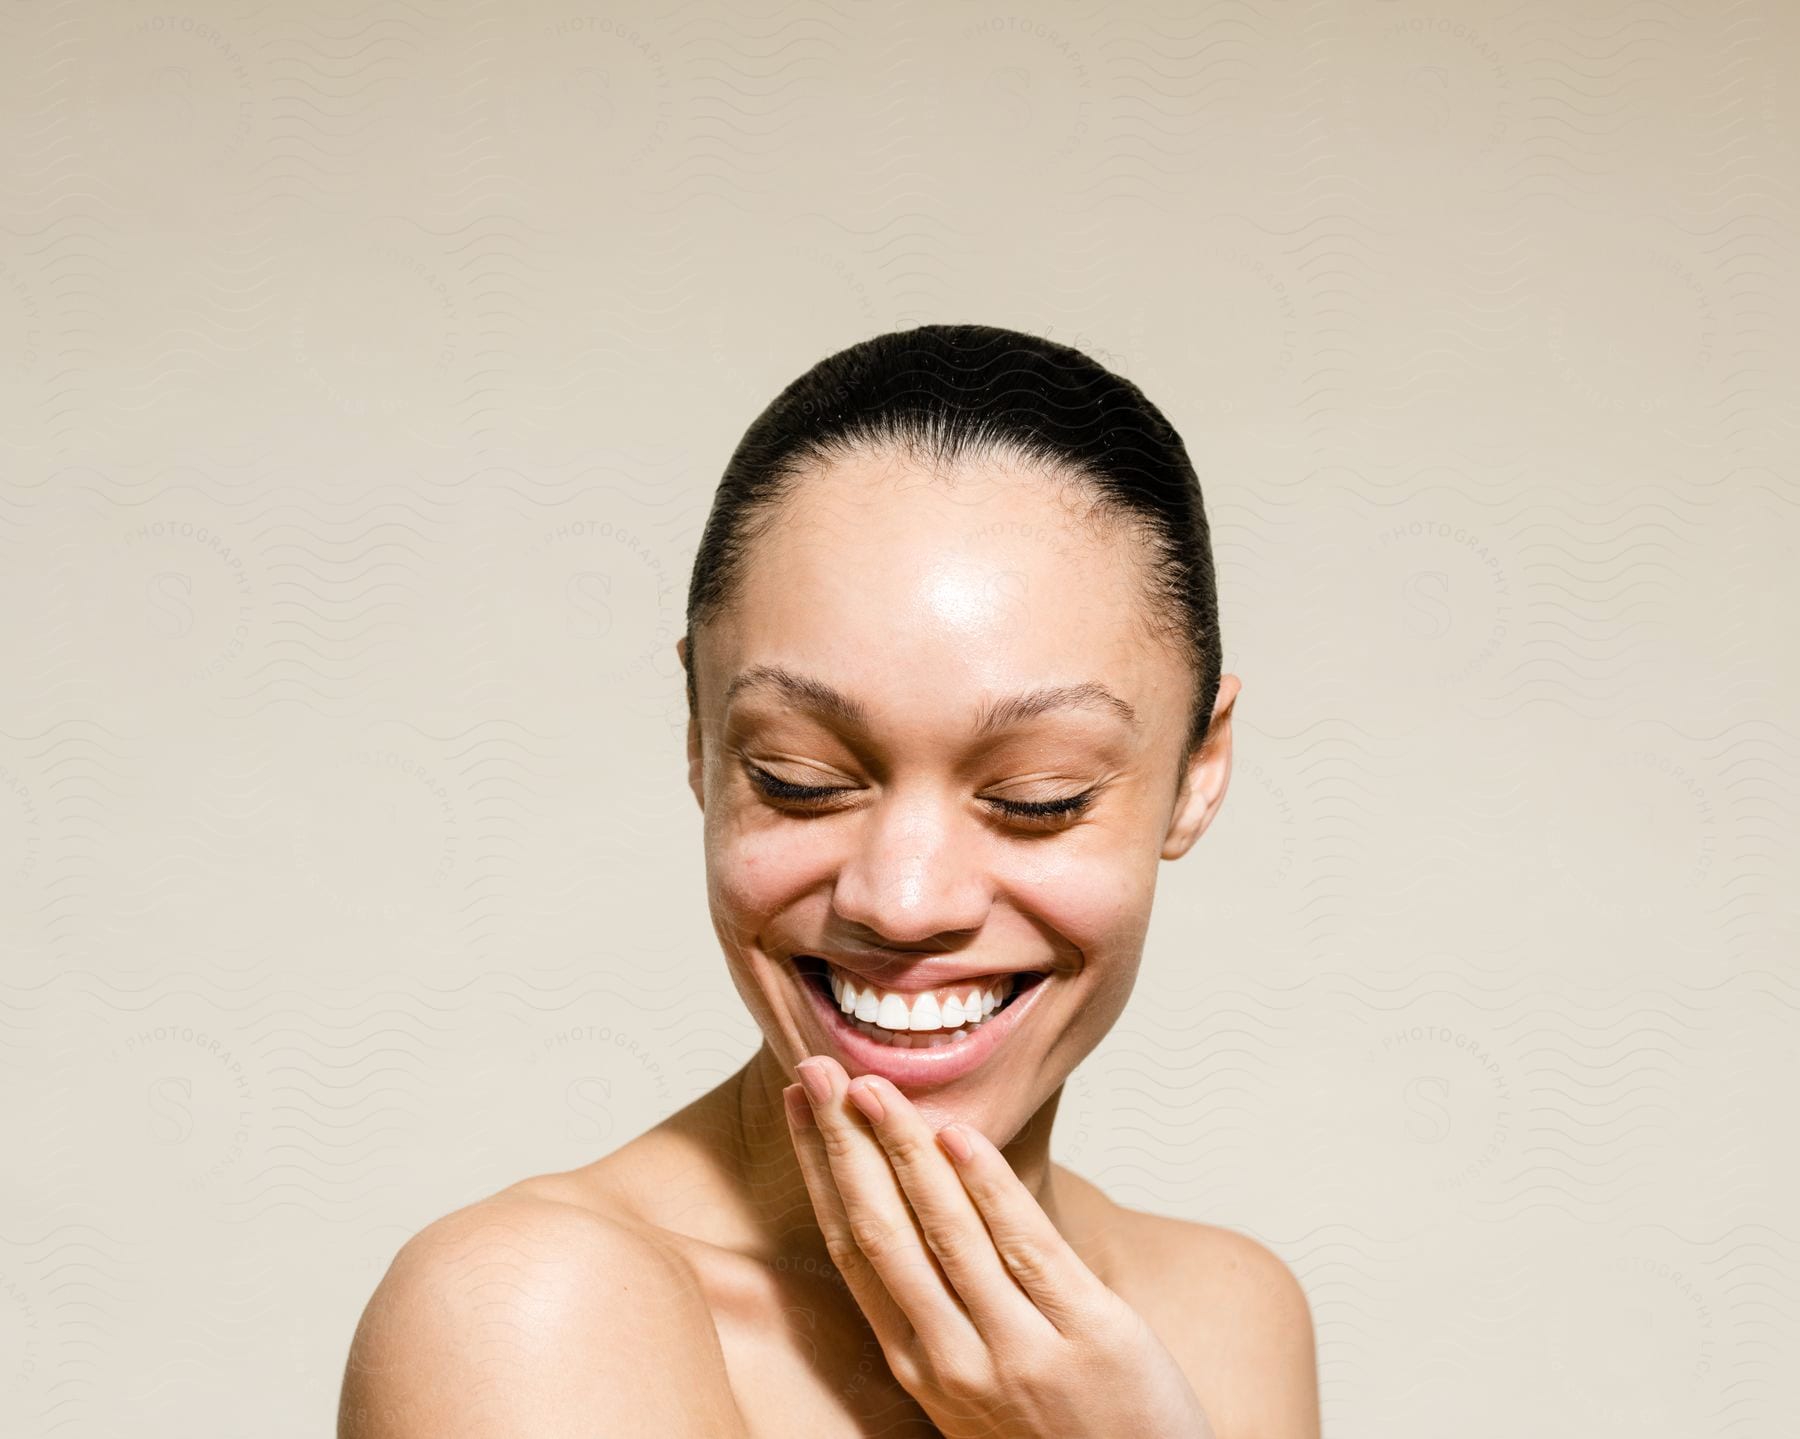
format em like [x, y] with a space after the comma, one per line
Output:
[894, 1011]
[906, 1039]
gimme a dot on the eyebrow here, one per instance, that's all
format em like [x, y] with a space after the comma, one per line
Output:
[997, 715]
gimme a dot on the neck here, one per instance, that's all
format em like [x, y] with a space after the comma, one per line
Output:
[773, 1214]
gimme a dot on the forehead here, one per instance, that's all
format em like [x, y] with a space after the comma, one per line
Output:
[919, 590]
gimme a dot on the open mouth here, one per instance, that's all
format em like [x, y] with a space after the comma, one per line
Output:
[955, 1026]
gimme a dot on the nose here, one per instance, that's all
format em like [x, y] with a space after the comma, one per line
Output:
[914, 872]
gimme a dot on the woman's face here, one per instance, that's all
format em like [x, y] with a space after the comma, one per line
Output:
[885, 616]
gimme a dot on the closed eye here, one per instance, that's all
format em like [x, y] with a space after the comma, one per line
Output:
[1047, 809]
[777, 788]
[820, 797]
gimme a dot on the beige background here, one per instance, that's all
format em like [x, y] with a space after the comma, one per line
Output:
[369, 368]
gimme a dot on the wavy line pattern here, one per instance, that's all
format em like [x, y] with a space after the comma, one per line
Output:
[366, 372]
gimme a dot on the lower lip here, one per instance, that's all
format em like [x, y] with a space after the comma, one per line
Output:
[918, 1068]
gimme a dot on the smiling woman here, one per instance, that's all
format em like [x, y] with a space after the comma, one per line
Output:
[955, 691]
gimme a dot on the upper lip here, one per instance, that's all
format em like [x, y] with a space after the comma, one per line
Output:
[913, 973]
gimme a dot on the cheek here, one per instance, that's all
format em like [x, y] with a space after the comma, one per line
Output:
[1098, 902]
[752, 873]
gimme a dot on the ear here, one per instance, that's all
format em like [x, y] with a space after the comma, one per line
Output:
[1207, 773]
[695, 758]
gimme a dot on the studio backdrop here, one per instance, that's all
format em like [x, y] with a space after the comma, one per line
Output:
[367, 373]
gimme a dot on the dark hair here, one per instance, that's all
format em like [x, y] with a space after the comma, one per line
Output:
[944, 392]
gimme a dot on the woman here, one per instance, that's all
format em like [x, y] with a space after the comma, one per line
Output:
[953, 675]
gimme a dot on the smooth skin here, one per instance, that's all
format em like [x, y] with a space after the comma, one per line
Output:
[691, 1282]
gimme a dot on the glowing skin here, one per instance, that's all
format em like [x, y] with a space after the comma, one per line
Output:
[926, 599]
[682, 1283]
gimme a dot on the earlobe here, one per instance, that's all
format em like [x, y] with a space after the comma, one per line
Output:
[1186, 823]
[1206, 776]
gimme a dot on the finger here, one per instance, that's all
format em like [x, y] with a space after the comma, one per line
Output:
[885, 1231]
[892, 1328]
[953, 1227]
[1051, 1273]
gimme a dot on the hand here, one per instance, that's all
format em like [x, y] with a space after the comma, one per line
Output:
[986, 1316]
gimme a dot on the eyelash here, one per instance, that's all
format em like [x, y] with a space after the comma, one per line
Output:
[1048, 812]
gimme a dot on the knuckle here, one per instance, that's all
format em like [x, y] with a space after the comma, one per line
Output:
[905, 1150]
[843, 1251]
[840, 1247]
[910, 1373]
[989, 1196]
[990, 1408]
[959, 1375]
[872, 1235]
[839, 1143]
[1026, 1260]
[953, 1247]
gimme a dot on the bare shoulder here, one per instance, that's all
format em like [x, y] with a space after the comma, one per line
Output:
[1255, 1352]
[1256, 1280]
[1233, 1314]
[527, 1313]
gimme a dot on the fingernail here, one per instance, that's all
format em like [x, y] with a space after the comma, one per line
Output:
[954, 1140]
[812, 1075]
[868, 1101]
